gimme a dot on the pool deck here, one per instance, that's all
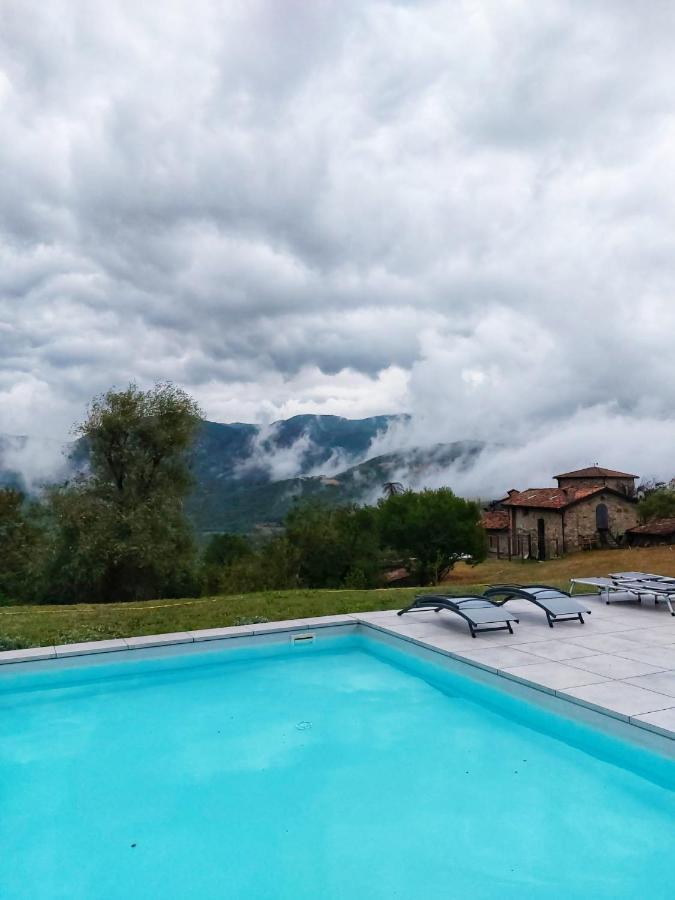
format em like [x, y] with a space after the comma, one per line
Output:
[621, 662]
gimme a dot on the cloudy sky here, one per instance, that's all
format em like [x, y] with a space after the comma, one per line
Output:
[463, 210]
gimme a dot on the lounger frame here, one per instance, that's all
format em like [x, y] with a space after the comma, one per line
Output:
[525, 592]
[660, 587]
[606, 587]
[638, 584]
[437, 602]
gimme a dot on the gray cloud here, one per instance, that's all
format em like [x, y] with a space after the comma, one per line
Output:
[459, 209]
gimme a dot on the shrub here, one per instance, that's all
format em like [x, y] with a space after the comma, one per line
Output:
[658, 504]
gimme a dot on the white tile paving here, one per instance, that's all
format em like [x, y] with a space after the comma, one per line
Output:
[614, 666]
[87, 647]
[555, 675]
[559, 651]
[663, 682]
[662, 721]
[33, 654]
[658, 656]
[217, 634]
[620, 662]
[159, 640]
[497, 658]
[604, 643]
[619, 697]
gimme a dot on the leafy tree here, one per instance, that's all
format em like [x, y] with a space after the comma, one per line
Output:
[22, 547]
[431, 530]
[138, 441]
[657, 504]
[270, 567]
[335, 546]
[224, 549]
[220, 553]
[121, 530]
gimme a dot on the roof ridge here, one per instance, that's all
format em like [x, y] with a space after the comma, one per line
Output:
[592, 471]
[557, 497]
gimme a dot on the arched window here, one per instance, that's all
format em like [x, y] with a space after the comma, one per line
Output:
[602, 517]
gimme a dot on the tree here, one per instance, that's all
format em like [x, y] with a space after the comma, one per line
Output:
[122, 533]
[220, 554]
[335, 546]
[224, 549]
[138, 441]
[657, 504]
[270, 566]
[22, 546]
[431, 530]
[389, 488]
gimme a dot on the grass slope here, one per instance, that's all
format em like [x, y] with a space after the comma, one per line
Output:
[29, 626]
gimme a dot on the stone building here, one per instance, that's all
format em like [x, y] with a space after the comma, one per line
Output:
[496, 525]
[591, 507]
[658, 531]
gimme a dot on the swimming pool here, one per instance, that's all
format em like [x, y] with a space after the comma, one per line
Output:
[345, 768]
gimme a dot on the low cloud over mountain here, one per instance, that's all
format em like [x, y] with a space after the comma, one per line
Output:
[461, 211]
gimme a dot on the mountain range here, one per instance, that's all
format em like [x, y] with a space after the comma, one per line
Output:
[247, 477]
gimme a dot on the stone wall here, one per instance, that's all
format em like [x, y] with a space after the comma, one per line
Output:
[580, 519]
[525, 538]
[498, 543]
[625, 485]
[570, 529]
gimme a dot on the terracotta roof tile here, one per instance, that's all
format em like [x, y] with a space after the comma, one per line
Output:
[552, 498]
[595, 472]
[495, 520]
[658, 526]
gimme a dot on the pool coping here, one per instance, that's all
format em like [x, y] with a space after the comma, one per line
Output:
[147, 642]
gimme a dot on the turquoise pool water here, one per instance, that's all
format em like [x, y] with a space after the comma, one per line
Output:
[353, 771]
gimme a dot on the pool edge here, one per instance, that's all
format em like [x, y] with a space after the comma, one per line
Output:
[506, 681]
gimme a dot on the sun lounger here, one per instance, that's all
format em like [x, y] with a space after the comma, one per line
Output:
[660, 587]
[608, 588]
[640, 576]
[479, 613]
[558, 605]
[633, 586]
[660, 590]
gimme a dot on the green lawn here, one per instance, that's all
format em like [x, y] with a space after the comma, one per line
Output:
[32, 626]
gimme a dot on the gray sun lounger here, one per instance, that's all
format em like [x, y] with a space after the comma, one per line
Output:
[558, 605]
[480, 613]
[608, 589]
[660, 587]
[640, 576]
[633, 586]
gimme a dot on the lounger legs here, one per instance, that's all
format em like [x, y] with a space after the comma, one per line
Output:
[553, 619]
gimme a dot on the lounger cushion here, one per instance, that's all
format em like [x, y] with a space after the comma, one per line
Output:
[560, 604]
[480, 611]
